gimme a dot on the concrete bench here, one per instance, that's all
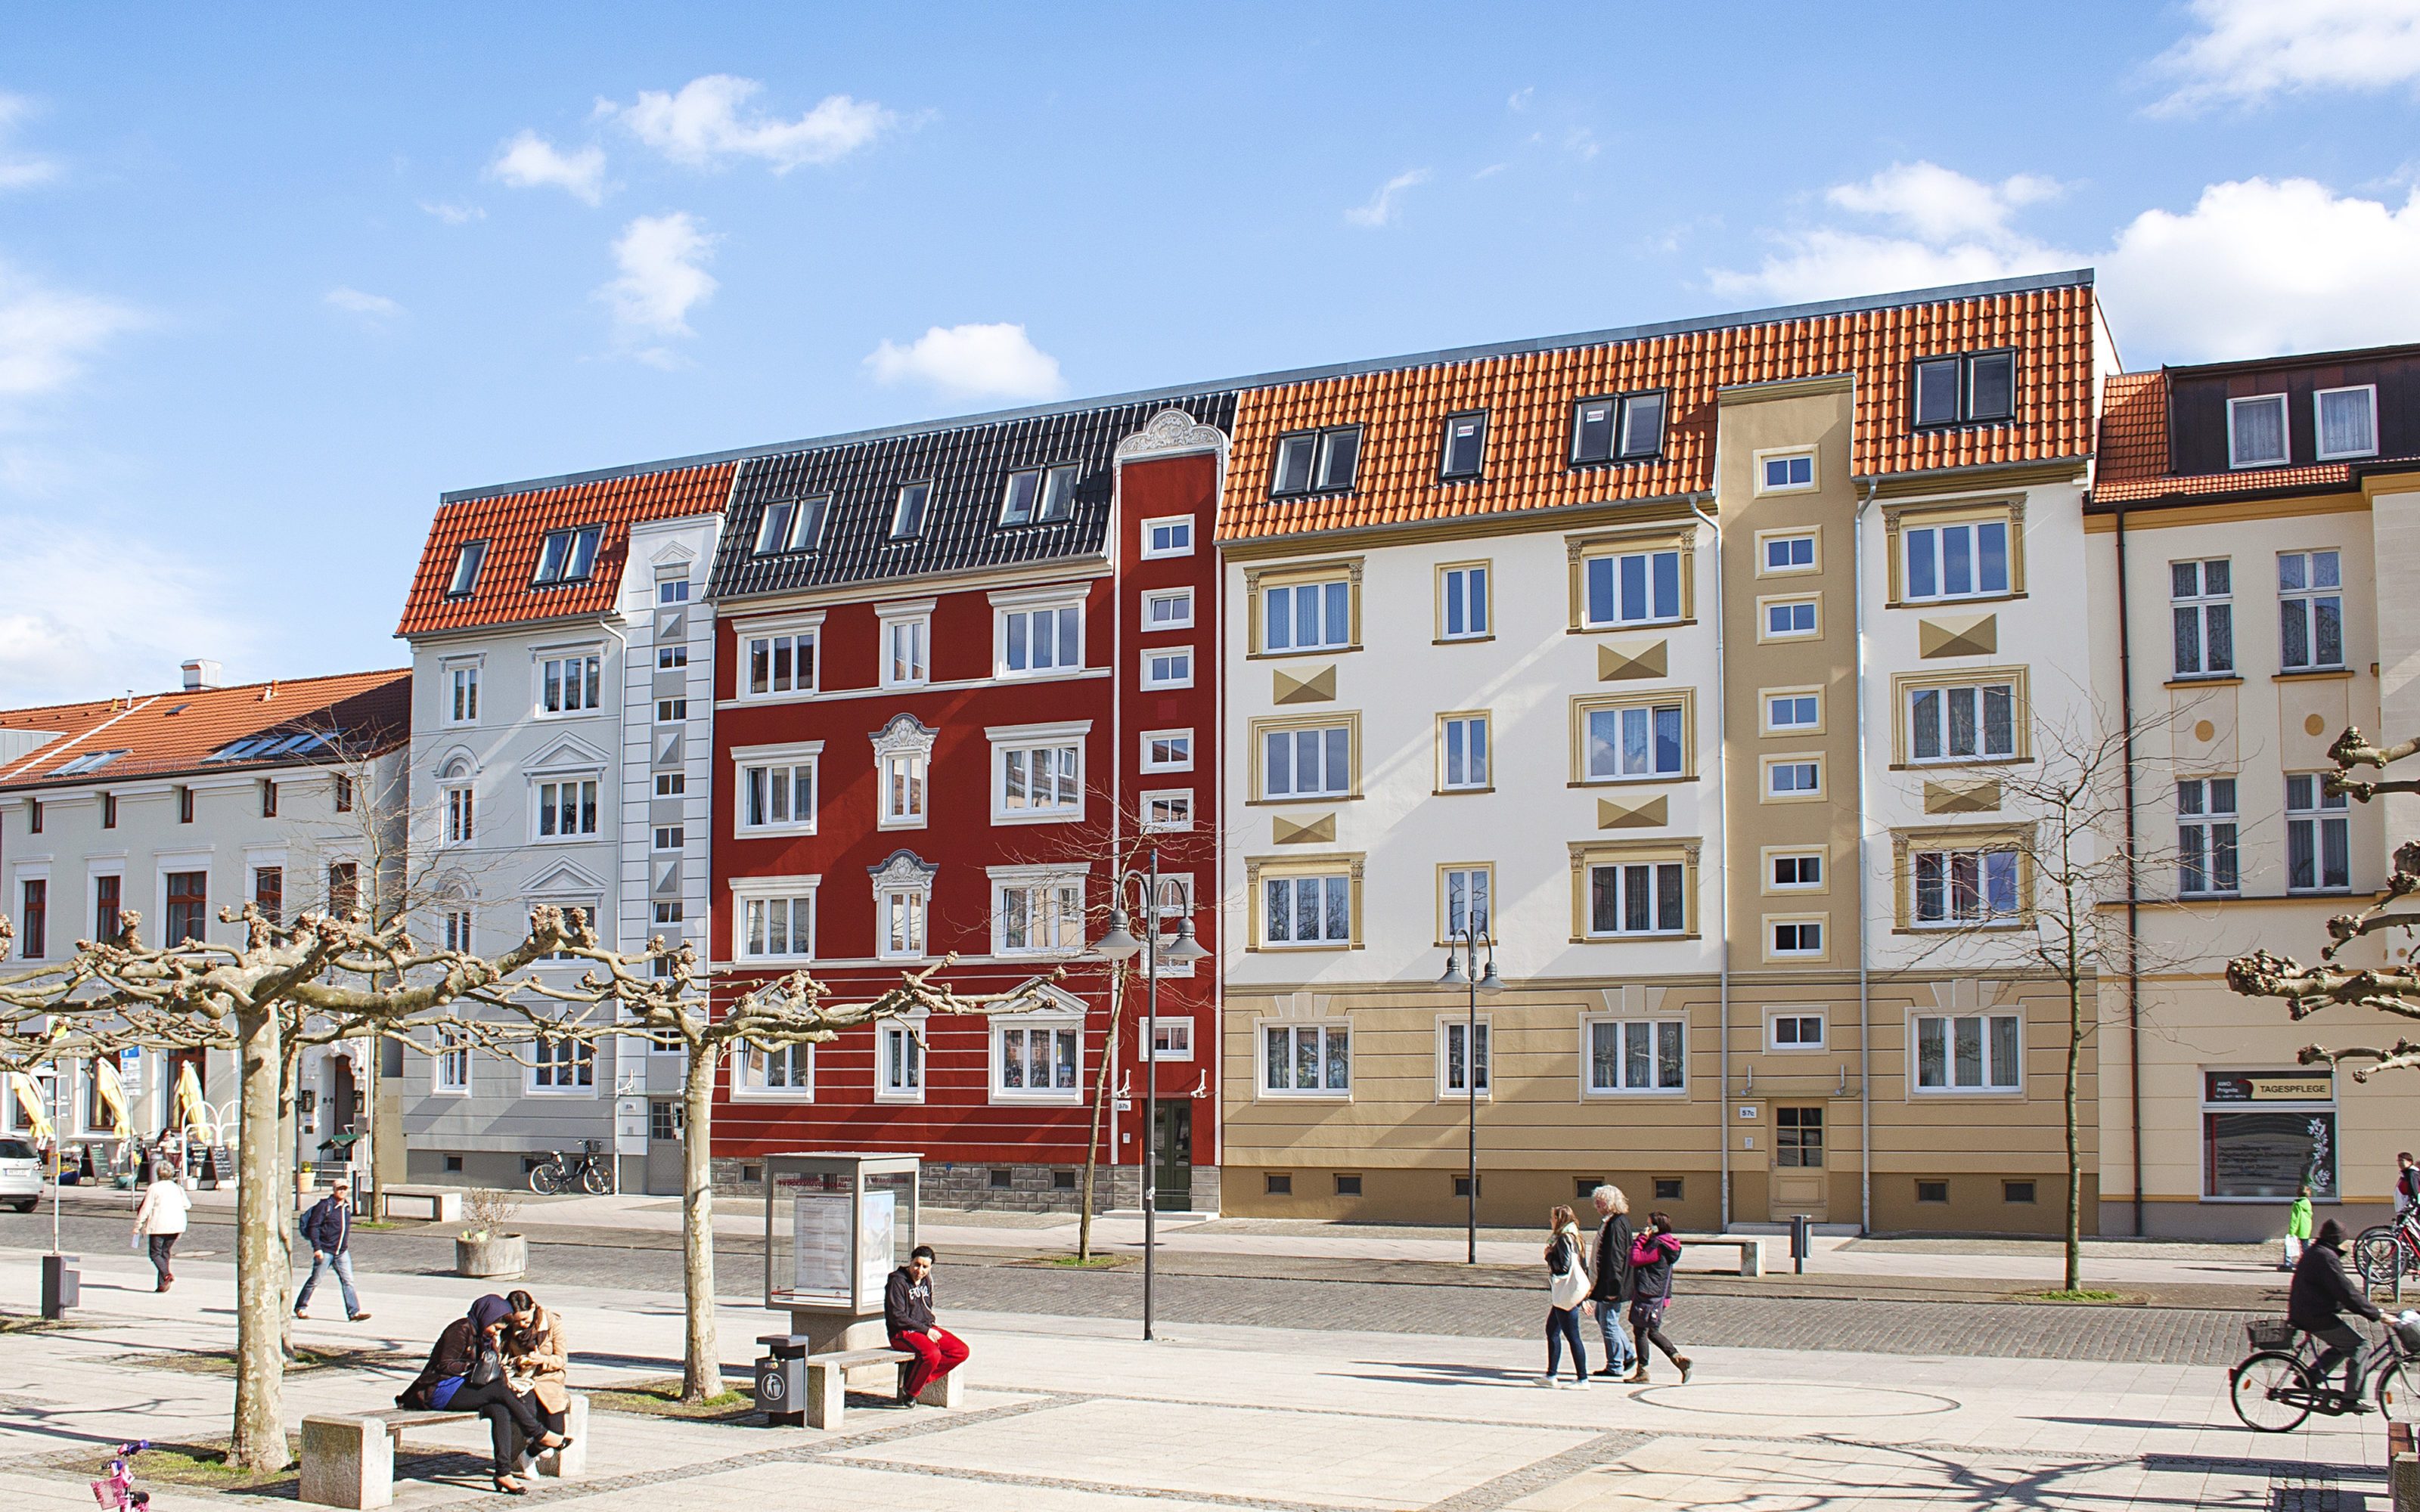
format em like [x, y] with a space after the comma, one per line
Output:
[828, 1383]
[1749, 1248]
[444, 1204]
[348, 1458]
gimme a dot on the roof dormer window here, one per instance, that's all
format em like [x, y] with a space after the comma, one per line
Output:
[1039, 496]
[467, 558]
[1618, 428]
[908, 516]
[2347, 422]
[2256, 431]
[1465, 445]
[1317, 461]
[1970, 389]
[567, 556]
[792, 525]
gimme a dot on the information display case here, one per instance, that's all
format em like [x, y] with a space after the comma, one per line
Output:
[850, 1220]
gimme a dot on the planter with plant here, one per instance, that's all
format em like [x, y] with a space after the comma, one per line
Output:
[484, 1248]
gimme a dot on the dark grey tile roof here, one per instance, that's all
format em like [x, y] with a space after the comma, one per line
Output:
[968, 466]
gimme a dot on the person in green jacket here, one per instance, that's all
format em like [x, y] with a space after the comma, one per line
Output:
[2298, 1229]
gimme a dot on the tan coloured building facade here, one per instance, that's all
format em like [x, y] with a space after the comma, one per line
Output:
[1567, 641]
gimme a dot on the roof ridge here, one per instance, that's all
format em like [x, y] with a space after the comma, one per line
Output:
[111, 701]
[2031, 282]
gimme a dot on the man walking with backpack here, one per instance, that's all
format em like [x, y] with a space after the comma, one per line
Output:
[1609, 1293]
[328, 1229]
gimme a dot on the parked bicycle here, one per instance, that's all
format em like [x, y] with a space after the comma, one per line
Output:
[560, 1172]
[2275, 1387]
[2386, 1251]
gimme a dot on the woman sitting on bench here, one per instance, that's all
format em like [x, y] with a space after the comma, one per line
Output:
[465, 1373]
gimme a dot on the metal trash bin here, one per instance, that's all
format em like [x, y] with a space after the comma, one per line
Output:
[62, 1284]
[781, 1381]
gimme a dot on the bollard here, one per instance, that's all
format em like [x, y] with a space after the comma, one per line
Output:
[1802, 1239]
[62, 1285]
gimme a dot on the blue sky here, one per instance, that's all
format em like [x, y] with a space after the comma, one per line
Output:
[271, 278]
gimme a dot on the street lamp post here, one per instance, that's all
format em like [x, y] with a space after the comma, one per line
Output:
[1465, 940]
[1117, 947]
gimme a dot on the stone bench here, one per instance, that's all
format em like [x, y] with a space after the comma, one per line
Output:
[444, 1204]
[1750, 1248]
[348, 1458]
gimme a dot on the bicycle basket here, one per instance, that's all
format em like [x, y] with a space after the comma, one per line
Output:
[2407, 1336]
[2269, 1334]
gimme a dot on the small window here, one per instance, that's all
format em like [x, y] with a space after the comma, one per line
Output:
[1467, 914]
[1794, 779]
[1796, 1031]
[1991, 386]
[903, 651]
[1978, 388]
[671, 785]
[1793, 712]
[1276, 1184]
[1167, 751]
[1623, 429]
[1800, 873]
[1171, 1038]
[1017, 503]
[2346, 423]
[1791, 619]
[1058, 495]
[2256, 431]
[1171, 537]
[1465, 446]
[907, 514]
[1462, 1186]
[1798, 937]
[462, 687]
[340, 790]
[671, 711]
[1787, 475]
[671, 659]
[1002, 1178]
[1348, 1184]
[1317, 461]
[1668, 1188]
[1167, 810]
[567, 556]
[2201, 596]
[1452, 1075]
[1462, 594]
[1463, 756]
[1062, 1181]
[2022, 1191]
[792, 524]
[184, 806]
[467, 558]
[1932, 1191]
[2206, 836]
[1169, 608]
[1790, 553]
[670, 591]
[109, 811]
[1172, 667]
[453, 1164]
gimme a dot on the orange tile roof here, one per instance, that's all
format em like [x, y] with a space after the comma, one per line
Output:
[1529, 393]
[515, 524]
[162, 733]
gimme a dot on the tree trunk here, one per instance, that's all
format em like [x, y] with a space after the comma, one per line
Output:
[2075, 1159]
[1100, 1106]
[262, 1203]
[701, 1351]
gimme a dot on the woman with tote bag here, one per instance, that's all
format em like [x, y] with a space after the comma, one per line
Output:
[1567, 1287]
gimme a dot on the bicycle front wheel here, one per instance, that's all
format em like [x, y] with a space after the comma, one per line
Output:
[2271, 1392]
[546, 1178]
[2398, 1392]
[593, 1179]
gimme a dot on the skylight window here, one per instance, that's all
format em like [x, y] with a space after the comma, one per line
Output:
[1618, 428]
[91, 761]
[792, 525]
[467, 558]
[1039, 496]
[1465, 445]
[1317, 461]
[1975, 388]
[569, 556]
[908, 516]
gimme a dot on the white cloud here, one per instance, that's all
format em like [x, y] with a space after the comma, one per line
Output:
[1939, 204]
[1381, 209]
[1953, 230]
[2247, 50]
[454, 214]
[529, 161]
[66, 632]
[662, 259]
[702, 125]
[373, 307]
[20, 172]
[997, 359]
[46, 335]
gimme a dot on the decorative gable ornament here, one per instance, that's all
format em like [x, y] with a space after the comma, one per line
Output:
[1169, 433]
[905, 735]
[904, 870]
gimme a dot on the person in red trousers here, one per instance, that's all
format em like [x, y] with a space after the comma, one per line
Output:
[907, 1313]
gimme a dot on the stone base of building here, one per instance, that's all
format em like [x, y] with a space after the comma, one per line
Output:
[1016, 1188]
[505, 1169]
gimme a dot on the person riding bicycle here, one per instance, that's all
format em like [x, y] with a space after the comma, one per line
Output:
[2321, 1296]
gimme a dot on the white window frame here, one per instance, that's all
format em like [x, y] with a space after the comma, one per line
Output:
[470, 558]
[1295, 644]
[578, 658]
[806, 629]
[1151, 529]
[1326, 1031]
[905, 527]
[449, 1065]
[461, 693]
[1177, 1043]
[1467, 588]
[1160, 810]
[539, 808]
[1981, 691]
[904, 886]
[1181, 598]
[1775, 923]
[2320, 429]
[1796, 1016]
[793, 534]
[2318, 815]
[1047, 883]
[1985, 914]
[1167, 667]
[2205, 833]
[908, 1034]
[746, 761]
[1765, 607]
[2284, 431]
[1020, 1028]
[1769, 793]
[1989, 1087]
[912, 622]
[1450, 1027]
[904, 746]
[564, 1058]
[1620, 1025]
[1785, 456]
[767, 890]
[2200, 608]
[458, 821]
[1026, 603]
[1343, 878]
[1654, 866]
[1589, 618]
[2303, 604]
[1072, 735]
[1485, 780]
[1173, 763]
[746, 1086]
[1936, 532]
[1773, 882]
[1589, 745]
[1483, 874]
[1768, 697]
[1767, 540]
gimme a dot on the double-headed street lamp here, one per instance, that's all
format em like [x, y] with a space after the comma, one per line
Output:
[1465, 940]
[1117, 947]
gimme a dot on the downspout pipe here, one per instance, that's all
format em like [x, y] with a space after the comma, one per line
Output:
[1722, 887]
[2134, 889]
[1865, 883]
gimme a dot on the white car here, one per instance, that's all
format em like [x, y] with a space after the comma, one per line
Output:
[21, 1175]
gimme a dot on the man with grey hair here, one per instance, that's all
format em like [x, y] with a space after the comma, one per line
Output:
[1610, 1290]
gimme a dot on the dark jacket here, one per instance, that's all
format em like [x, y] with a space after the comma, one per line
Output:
[1651, 1266]
[2322, 1293]
[457, 1350]
[328, 1226]
[907, 1304]
[1613, 1243]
